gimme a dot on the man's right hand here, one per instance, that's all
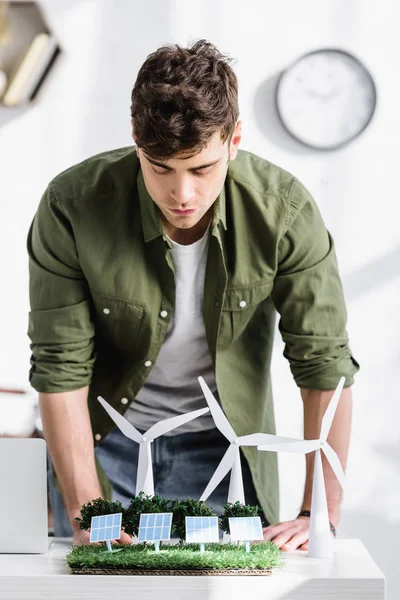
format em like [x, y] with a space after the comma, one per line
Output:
[81, 537]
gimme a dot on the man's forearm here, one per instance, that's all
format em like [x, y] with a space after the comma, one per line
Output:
[67, 430]
[315, 403]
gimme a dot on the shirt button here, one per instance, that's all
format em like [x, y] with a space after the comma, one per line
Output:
[106, 311]
[163, 314]
[148, 363]
[242, 303]
[97, 436]
[124, 400]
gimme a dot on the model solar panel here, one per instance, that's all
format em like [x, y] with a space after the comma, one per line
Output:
[245, 528]
[201, 529]
[106, 527]
[155, 527]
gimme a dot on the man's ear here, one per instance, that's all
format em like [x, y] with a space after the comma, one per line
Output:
[235, 141]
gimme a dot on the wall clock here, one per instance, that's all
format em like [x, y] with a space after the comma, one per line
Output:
[326, 98]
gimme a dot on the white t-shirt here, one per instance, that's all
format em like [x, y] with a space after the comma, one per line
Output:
[172, 387]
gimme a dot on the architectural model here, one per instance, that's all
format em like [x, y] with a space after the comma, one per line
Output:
[197, 548]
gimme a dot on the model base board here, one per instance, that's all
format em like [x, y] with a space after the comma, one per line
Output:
[186, 559]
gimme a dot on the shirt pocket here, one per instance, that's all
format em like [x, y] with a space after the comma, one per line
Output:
[118, 322]
[240, 308]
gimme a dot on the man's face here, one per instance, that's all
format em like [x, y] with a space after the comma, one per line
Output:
[184, 189]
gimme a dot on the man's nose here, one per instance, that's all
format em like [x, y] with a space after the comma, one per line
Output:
[183, 191]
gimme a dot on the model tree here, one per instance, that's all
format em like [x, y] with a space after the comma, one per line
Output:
[97, 508]
[142, 503]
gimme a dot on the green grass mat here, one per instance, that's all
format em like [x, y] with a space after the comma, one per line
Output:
[263, 555]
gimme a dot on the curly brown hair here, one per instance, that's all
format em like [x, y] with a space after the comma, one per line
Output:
[181, 97]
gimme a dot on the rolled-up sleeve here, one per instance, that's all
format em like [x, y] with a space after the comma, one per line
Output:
[60, 325]
[308, 295]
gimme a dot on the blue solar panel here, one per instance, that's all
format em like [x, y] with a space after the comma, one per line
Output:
[201, 529]
[105, 527]
[155, 527]
[245, 528]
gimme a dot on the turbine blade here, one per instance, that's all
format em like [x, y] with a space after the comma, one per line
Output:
[258, 439]
[166, 425]
[224, 466]
[334, 461]
[218, 414]
[330, 411]
[301, 447]
[123, 424]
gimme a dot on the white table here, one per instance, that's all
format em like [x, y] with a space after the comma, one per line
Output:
[350, 575]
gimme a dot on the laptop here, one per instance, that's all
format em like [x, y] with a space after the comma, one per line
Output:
[23, 496]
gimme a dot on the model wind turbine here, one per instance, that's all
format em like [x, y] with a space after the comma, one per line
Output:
[144, 478]
[231, 458]
[320, 540]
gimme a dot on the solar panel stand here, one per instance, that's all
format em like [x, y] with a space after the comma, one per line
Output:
[157, 546]
[109, 545]
[202, 547]
[247, 546]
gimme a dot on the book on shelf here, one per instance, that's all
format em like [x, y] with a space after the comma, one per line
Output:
[29, 74]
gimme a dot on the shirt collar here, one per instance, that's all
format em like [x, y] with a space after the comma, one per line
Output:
[220, 209]
[151, 222]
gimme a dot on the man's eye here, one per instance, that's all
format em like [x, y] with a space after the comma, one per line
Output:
[199, 173]
[203, 172]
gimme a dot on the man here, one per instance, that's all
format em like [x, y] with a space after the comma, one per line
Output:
[154, 264]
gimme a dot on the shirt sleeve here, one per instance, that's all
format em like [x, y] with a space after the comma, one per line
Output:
[60, 325]
[308, 295]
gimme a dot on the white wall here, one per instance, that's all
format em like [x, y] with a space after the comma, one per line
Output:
[84, 109]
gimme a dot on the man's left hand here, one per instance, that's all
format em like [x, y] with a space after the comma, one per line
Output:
[289, 535]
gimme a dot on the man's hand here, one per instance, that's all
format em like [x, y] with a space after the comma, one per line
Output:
[289, 535]
[82, 538]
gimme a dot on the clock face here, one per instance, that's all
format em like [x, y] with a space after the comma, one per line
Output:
[326, 98]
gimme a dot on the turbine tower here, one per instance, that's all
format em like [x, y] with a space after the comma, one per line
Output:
[320, 540]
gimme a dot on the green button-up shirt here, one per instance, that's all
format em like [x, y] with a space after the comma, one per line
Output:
[101, 273]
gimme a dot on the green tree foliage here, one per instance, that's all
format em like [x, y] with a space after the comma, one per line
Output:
[96, 508]
[143, 504]
[187, 508]
[155, 504]
[237, 510]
